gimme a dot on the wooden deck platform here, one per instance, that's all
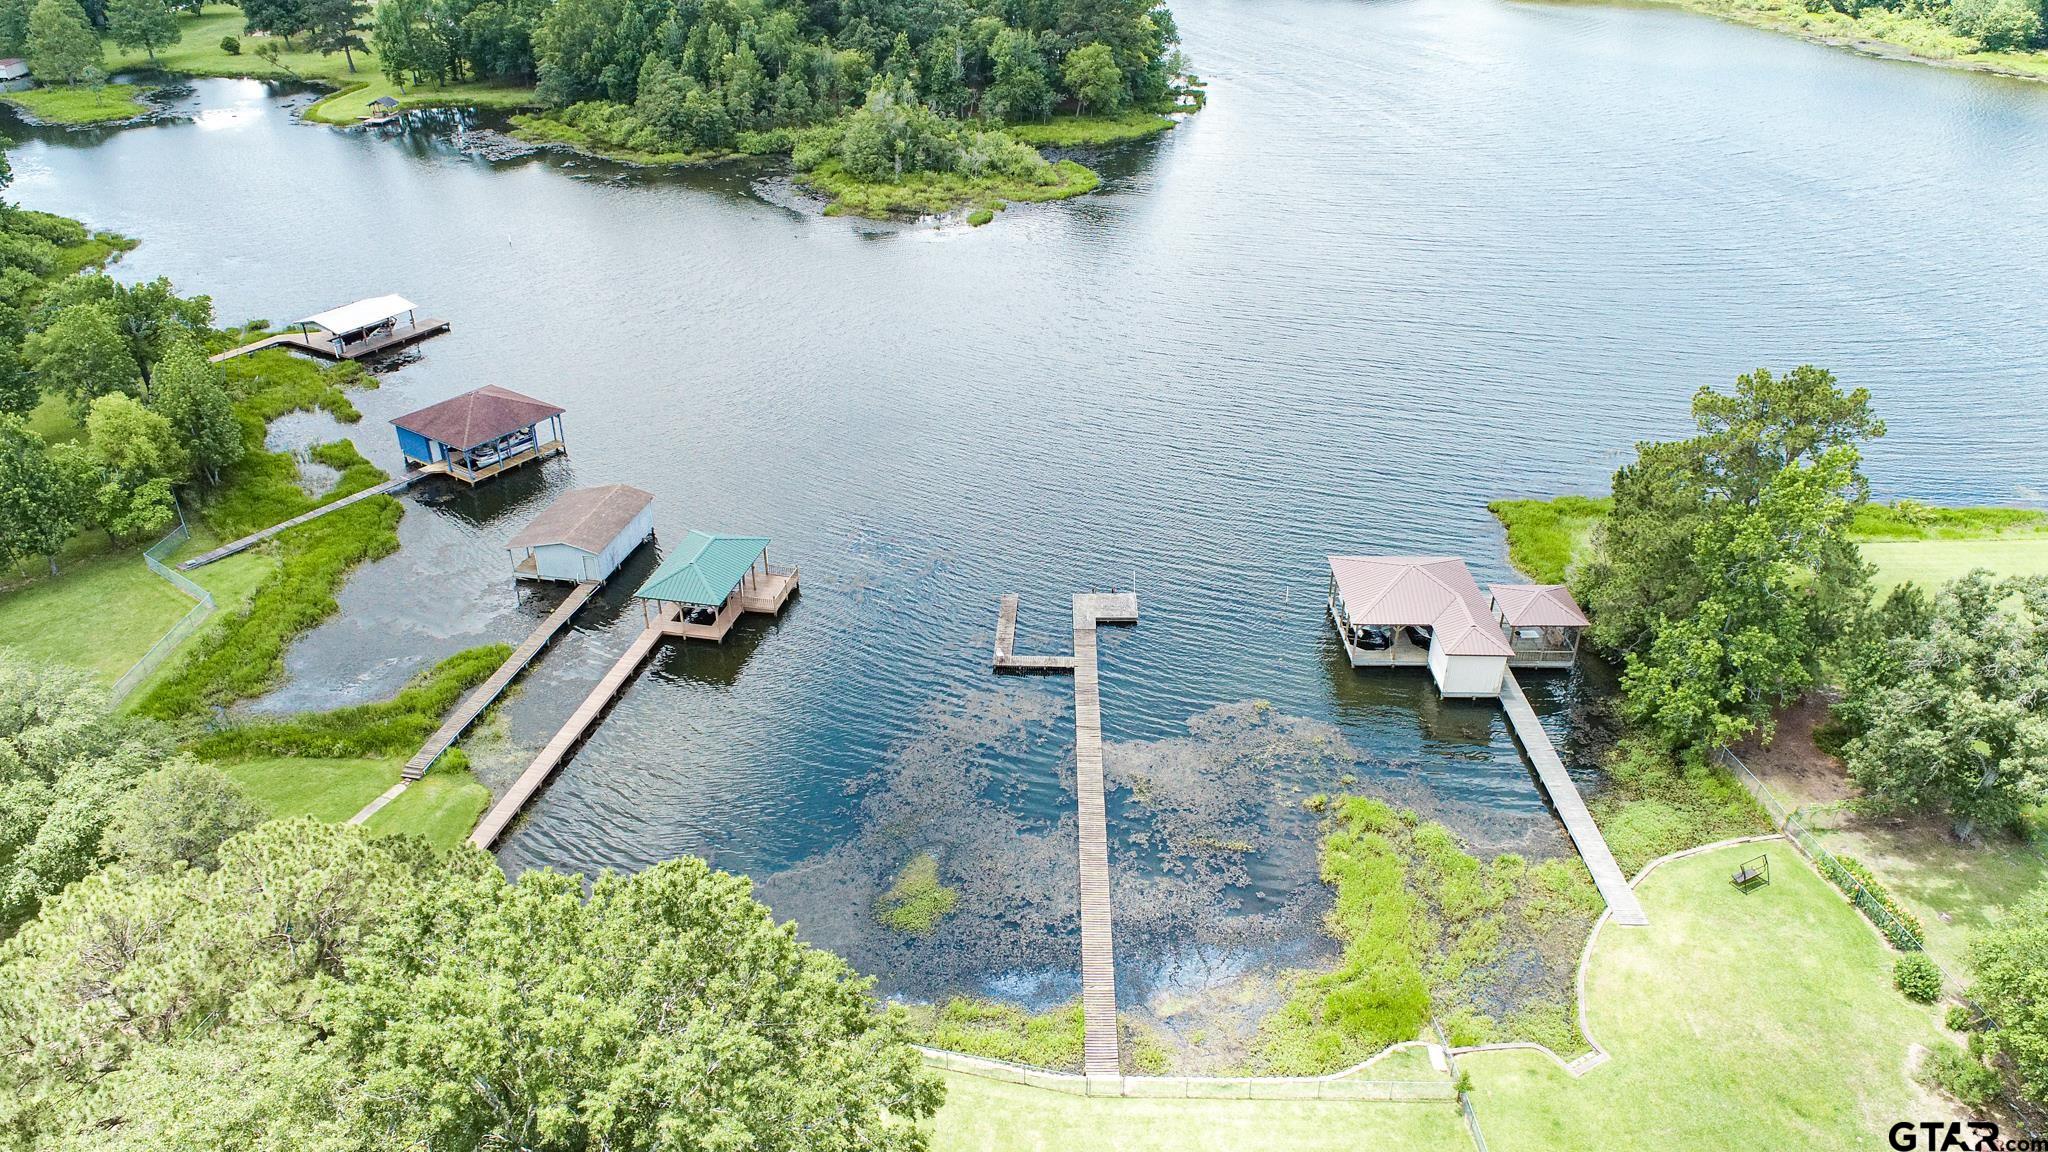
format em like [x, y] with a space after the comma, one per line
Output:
[1564, 796]
[765, 595]
[579, 724]
[488, 692]
[255, 538]
[360, 350]
[475, 476]
[1099, 1044]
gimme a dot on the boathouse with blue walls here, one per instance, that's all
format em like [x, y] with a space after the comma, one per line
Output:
[479, 434]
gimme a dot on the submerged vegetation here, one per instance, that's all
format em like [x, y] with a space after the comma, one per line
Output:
[917, 901]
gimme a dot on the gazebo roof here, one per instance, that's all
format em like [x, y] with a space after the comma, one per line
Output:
[587, 519]
[1538, 606]
[704, 569]
[361, 314]
[473, 418]
[1414, 591]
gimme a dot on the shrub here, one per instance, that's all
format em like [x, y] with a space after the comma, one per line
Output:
[1963, 1076]
[980, 216]
[1901, 928]
[1999, 25]
[1960, 1018]
[231, 46]
[1916, 976]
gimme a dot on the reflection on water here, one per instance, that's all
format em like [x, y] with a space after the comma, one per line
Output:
[1414, 256]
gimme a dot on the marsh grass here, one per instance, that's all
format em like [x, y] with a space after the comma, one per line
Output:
[917, 901]
[81, 103]
[936, 193]
[1545, 537]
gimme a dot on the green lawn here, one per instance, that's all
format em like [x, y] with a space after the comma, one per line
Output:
[1764, 1021]
[81, 103]
[199, 53]
[1956, 890]
[103, 612]
[989, 1116]
[1932, 563]
[443, 807]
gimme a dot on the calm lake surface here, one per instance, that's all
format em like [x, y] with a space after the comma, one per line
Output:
[1414, 256]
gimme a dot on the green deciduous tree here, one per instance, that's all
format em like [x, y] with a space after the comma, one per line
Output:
[2011, 965]
[1999, 25]
[1955, 717]
[64, 759]
[191, 395]
[1724, 573]
[44, 496]
[140, 458]
[145, 24]
[1093, 79]
[281, 18]
[82, 356]
[337, 26]
[179, 814]
[14, 26]
[321, 989]
[61, 45]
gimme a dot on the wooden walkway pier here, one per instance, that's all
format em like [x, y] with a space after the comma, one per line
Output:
[488, 692]
[387, 488]
[1564, 796]
[579, 724]
[325, 349]
[1098, 957]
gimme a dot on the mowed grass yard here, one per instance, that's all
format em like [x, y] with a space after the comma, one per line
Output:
[442, 807]
[199, 53]
[1957, 890]
[989, 1116]
[1736, 1022]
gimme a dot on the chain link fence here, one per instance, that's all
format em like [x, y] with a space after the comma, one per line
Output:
[202, 608]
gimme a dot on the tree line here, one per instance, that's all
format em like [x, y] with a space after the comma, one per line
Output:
[128, 364]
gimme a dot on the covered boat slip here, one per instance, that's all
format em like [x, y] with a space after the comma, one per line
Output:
[477, 435]
[351, 332]
[584, 535]
[1427, 611]
[711, 579]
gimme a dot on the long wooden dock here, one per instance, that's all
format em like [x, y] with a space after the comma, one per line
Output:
[1098, 955]
[361, 349]
[586, 716]
[488, 692]
[1622, 904]
[255, 538]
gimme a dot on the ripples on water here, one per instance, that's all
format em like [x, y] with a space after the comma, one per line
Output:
[1414, 256]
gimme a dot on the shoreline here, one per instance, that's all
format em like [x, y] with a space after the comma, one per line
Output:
[1868, 46]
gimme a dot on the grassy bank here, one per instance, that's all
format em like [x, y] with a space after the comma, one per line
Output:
[936, 193]
[1877, 32]
[442, 807]
[1735, 1023]
[1001, 1031]
[198, 52]
[1546, 536]
[1431, 932]
[1086, 131]
[551, 129]
[1924, 543]
[81, 103]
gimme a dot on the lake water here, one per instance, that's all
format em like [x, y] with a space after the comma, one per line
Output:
[1415, 255]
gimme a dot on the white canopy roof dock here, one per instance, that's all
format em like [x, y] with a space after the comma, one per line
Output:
[351, 332]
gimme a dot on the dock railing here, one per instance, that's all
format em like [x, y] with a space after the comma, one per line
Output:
[202, 608]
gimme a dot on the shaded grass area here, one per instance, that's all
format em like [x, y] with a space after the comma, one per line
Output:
[917, 901]
[933, 193]
[199, 53]
[1955, 890]
[1546, 536]
[1875, 30]
[1083, 131]
[442, 807]
[988, 1116]
[1426, 930]
[1736, 1022]
[80, 103]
